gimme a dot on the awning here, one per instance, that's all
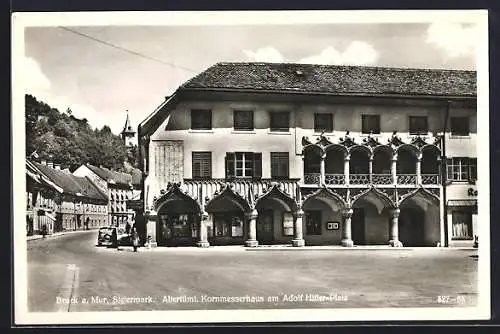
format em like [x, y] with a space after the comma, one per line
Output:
[462, 202]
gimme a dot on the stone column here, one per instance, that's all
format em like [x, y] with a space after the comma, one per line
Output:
[394, 169]
[370, 169]
[346, 229]
[418, 168]
[322, 169]
[202, 234]
[347, 158]
[151, 224]
[393, 229]
[298, 239]
[252, 229]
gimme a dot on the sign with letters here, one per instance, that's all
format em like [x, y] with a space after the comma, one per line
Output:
[332, 225]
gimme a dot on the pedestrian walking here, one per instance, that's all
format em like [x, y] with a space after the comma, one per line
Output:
[135, 239]
[44, 231]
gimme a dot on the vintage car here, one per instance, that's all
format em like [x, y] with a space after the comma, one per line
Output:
[107, 236]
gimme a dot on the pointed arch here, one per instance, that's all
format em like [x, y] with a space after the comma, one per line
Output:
[333, 200]
[338, 147]
[421, 193]
[361, 148]
[383, 200]
[174, 193]
[414, 150]
[229, 194]
[431, 147]
[313, 148]
[275, 193]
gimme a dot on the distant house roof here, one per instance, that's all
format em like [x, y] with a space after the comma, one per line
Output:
[72, 185]
[110, 175]
[334, 79]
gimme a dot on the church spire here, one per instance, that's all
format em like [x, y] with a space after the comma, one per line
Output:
[127, 129]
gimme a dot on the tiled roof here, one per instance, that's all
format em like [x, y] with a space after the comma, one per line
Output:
[73, 185]
[107, 174]
[330, 79]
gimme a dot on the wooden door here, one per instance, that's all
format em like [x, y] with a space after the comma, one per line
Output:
[265, 227]
[358, 226]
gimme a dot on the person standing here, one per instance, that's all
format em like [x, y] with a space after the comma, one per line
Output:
[135, 239]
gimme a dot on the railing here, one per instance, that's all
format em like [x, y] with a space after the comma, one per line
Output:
[359, 178]
[312, 178]
[407, 178]
[334, 178]
[430, 179]
[382, 179]
[196, 188]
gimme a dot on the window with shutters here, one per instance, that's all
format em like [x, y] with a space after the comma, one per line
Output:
[201, 119]
[459, 126]
[370, 124]
[418, 125]
[279, 165]
[461, 169]
[323, 122]
[243, 165]
[243, 120]
[202, 165]
[279, 121]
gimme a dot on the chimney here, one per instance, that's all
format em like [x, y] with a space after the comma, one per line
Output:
[50, 164]
[43, 162]
[57, 166]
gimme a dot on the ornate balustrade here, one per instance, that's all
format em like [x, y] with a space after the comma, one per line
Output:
[334, 178]
[382, 179]
[312, 178]
[407, 178]
[201, 188]
[430, 179]
[359, 178]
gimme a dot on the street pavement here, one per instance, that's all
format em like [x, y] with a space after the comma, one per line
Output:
[70, 273]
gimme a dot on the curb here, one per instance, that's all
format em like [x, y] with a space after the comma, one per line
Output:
[54, 235]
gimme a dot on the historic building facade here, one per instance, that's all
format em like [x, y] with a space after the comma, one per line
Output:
[119, 187]
[61, 201]
[254, 153]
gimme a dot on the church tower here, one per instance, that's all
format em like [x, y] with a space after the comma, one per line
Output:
[128, 134]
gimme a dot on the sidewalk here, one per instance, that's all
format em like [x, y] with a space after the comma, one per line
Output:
[264, 248]
[53, 235]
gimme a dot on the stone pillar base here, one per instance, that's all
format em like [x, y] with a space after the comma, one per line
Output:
[203, 244]
[152, 244]
[298, 242]
[251, 243]
[395, 243]
[347, 243]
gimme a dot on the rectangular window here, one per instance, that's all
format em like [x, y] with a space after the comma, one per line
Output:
[243, 165]
[280, 121]
[459, 126]
[313, 222]
[243, 120]
[201, 119]
[279, 165]
[287, 224]
[370, 124]
[461, 169]
[418, 125]
[202, 165]
[461, 225]
[323, 122]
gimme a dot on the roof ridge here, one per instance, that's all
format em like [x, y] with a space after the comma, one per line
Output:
[225, 63]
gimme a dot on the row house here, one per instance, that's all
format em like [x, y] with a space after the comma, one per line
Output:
[258, 153]
[74, 203]
[119, 188]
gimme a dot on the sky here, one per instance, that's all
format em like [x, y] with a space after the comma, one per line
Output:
[113, 69]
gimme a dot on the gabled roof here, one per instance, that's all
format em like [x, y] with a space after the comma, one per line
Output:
[71, 184]
[110, 175]
[333, 79]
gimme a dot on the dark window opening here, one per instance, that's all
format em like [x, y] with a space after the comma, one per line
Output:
[279, 165]
[370, 124]
[418, 125]
[280, 121]
[201, 119]
[313, 222]
[323, 122]
[460, 126]
[243, 120]
[243, 165]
